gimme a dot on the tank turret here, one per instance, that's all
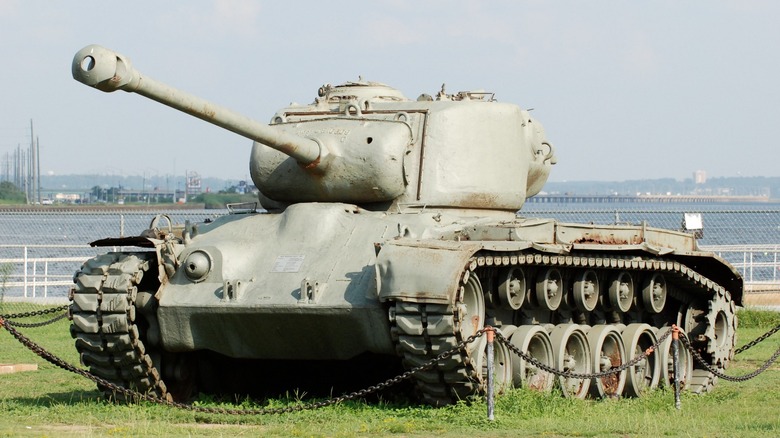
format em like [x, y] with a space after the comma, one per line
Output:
[365, 143]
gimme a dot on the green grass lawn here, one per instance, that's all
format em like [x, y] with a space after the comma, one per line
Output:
[53, 402]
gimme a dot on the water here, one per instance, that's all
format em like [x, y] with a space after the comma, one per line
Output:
[62, 237]
[724, 224]
[82, 227]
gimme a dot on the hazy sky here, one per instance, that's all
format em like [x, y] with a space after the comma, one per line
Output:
[625, 89]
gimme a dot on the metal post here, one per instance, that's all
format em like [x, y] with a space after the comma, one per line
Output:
[676, 364]
[25, 272]
[46, 279]
[34, 276]
[121, 225]
[490, 401]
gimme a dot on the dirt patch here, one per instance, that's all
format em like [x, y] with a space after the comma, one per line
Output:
[762, 296]
[17, 368]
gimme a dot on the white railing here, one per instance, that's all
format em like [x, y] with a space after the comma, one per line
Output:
[32, 276]
[758, 264]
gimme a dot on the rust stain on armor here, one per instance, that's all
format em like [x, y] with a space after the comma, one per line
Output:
[611, 383]
[480, 200]
[608, 240]
[475, 322]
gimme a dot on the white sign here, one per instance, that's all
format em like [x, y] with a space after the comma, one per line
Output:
[288, 263]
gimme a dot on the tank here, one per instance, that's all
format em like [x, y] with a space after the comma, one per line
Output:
[390, 231]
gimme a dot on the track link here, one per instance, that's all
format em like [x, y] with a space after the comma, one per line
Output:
[109, 339]
[424, 331]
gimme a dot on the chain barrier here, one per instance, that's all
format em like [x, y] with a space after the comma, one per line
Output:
[131, 394]
[37, 324]
[8, 318]
[715, 372]
[135, 395]
[757, 340]
[35, 312]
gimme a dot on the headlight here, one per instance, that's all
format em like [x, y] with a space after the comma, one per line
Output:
[198, 265]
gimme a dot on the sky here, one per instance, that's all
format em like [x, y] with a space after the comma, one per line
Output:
[625, 89]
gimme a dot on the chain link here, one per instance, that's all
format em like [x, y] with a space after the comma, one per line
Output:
[35, 312]
[10, 317]
[715, 372]
[757, 340]
[37, 324]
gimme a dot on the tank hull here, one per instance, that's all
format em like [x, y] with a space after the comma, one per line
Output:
[333, 282]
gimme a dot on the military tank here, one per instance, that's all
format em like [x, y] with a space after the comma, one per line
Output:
[389, 232]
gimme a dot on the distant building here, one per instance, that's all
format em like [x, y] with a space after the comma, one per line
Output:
[700, 177]
[194, 187]
[67, 197]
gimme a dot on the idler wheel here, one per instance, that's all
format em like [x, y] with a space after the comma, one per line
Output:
[645, 374]
[571, 353]
[722, 318]
[470, 308]
[667, 361]
[654, 294]
[586, 290]
[621, 292]
[607, 351]
[711, 327]
[512, 288]
[716, 321]
[534, 341]
[550, 289]
[502, 365]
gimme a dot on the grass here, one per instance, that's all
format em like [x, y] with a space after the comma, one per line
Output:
[52, 402]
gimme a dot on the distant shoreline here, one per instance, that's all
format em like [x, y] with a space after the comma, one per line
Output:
[99, 207]
[538, 199]
[661, 199]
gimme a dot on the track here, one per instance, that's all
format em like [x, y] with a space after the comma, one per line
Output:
[663, 292]
[109, 332]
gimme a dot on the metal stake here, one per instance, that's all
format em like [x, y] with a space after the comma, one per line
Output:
[676, 364]
[490, 401]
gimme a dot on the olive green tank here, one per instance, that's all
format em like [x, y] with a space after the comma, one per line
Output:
[389, 233]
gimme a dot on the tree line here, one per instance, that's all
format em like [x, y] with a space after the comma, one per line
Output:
[11, 194]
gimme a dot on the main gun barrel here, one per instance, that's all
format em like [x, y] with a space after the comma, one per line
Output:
[109, 71]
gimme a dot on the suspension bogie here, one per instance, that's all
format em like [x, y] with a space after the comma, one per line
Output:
[539, 295]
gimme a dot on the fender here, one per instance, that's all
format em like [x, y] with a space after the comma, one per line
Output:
[422, 271]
